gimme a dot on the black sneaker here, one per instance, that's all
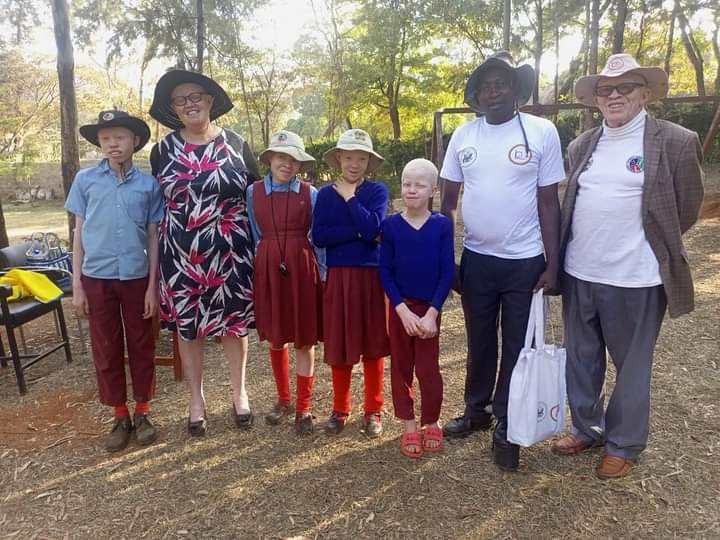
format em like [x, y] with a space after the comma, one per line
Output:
[145, 432]
[119, 435]
[506, 455]
[462, 426]
[336, 423]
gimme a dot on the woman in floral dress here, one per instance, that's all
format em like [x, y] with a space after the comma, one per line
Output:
[206, 257]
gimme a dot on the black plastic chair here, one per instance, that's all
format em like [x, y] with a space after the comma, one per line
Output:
[15, 314]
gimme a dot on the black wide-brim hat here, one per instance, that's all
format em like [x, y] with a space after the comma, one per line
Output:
[161, 108]
[108, 119]
[523, 79]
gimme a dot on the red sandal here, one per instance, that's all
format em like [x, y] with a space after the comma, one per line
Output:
[432, 433]
[411, 438]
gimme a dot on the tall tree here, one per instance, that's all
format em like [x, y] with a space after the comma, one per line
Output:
[22, 16]
[716, 48]
[694, 53]
[670, 39]
[621, 12]
[70, 161]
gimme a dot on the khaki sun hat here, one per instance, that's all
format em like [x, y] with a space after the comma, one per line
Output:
[287, 142]
[354, 139]
[620, 64]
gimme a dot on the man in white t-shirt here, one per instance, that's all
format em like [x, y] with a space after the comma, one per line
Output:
[635, 186]
[509, 164]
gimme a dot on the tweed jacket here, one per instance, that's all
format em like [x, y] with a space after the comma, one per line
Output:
[671, 200]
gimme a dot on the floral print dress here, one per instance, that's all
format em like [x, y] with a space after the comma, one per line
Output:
[206, 256]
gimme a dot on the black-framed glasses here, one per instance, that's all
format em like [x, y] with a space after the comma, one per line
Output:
[623, 89]
[498, 86]
[195, 97]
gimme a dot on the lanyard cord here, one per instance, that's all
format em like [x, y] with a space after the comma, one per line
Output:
[281, 248]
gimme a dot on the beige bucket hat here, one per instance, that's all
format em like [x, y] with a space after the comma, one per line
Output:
[287, 142]
[619, 64]
[354, 139]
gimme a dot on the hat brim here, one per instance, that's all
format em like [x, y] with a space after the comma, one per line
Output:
[136, 125]
[523, 82]
[161, 108]
[293, 151]
[374, 163]
[656, 78]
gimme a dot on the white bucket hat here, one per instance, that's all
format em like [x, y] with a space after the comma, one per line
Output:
[287, 142]
[354, 139]
[620, 64]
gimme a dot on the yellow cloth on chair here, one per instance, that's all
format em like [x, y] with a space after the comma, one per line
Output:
[26, 283]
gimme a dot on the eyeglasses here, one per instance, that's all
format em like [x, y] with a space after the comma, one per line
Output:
[623, 89]
[195, 97]
[497, 86]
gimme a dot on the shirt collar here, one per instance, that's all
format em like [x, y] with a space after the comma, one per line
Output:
[104, 166]
[293, 185]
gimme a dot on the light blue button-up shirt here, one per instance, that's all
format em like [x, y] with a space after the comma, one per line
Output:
[293, 185]
[116, 215]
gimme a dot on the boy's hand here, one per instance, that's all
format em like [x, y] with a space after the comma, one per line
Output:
[151, 302]
[410, 321]
[457, 282]
[428, 324]
[80, 302]
[345, 189]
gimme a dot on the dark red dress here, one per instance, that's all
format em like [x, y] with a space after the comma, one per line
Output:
[288, 308]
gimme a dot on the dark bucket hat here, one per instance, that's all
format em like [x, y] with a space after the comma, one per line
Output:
[108, 119]
[161, 109]
[523, 79]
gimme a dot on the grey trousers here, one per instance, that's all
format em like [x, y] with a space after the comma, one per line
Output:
[626, 321]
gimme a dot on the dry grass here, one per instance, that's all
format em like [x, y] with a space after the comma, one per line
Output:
[57, 482]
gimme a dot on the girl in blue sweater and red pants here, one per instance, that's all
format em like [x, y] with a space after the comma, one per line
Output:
[346, 222]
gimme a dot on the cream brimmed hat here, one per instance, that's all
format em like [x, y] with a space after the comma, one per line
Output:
[620, 64]
[354, 139]
[287, 142]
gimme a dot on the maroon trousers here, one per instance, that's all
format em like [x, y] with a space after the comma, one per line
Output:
[421, 355]
[116, 312]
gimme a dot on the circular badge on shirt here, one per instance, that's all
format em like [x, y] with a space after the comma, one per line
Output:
[519, 155]
[467, 156]
[636, 164]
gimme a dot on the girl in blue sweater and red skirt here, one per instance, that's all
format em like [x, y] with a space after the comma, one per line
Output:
[346, 222]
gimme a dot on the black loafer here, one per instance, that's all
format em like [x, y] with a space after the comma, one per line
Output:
[462, 426]
[506, 455]
[243, 421]
[336, 423]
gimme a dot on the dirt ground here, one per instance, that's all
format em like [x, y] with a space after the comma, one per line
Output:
[56, 481]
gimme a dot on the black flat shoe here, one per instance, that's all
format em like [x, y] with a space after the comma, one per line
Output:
[243, 421]
[304, 424]
[462, 426]
[198, 428]
[336, 423]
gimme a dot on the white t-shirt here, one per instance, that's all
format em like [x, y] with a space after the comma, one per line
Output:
[607, 243]
[499, 203]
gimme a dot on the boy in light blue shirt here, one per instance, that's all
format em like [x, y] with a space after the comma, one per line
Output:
[115, 254]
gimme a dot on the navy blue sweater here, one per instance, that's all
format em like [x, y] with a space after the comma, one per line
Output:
[349, 230]
[418, 264]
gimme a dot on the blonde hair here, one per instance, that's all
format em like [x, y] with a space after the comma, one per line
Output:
[421, 167]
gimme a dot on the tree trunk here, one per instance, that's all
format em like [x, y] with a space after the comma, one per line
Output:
[200, 35]
[619, 26]
[670, 39]
[556, 82]
[506, 24]
[4, 242]
[538, 48]
[641, 39]
[716, 51]
[594, 29]
[70, 161]
[691, 48]
[394, 117]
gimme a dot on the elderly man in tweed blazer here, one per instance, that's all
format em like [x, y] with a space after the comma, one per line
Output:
[635, 186]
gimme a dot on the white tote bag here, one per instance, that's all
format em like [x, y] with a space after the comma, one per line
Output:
[536, 405]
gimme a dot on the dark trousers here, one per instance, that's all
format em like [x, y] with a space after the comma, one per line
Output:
[116, 312]
[492, 286]
[421, 356]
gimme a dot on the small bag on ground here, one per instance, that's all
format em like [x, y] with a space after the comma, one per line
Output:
[536, 404]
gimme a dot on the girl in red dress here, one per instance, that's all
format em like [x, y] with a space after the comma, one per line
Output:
[287, 278]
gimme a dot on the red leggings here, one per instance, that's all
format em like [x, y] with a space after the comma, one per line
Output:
[421, 355]
[116, 309]
[373, 379]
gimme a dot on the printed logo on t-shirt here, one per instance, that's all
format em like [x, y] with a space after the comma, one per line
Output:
[636, 164]
[519, 155]
[467, 156]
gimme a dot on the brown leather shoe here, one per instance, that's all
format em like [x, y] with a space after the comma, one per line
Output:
[571, 445]
[304, 423]
[612, 467]
[279, 412]
[119, 435]
[145, 432]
